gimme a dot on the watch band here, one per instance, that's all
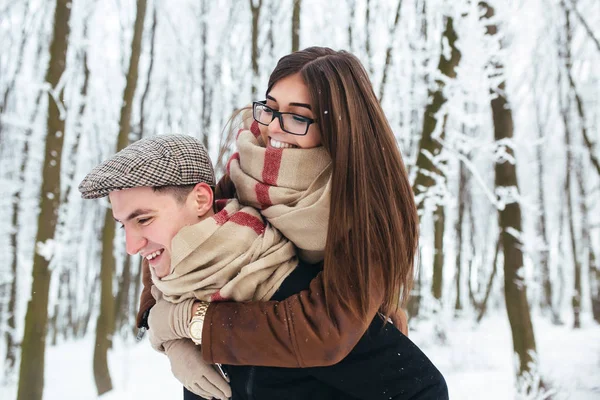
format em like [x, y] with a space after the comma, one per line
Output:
[197, 322]
[201, 310]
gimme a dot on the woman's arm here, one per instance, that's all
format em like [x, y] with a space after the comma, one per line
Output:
[295, 332]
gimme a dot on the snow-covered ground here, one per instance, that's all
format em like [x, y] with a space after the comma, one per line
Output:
[476, 360]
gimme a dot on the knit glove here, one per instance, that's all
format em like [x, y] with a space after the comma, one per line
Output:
[193, 372]
[168, 321]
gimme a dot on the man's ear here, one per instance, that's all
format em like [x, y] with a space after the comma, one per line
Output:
[203, 198]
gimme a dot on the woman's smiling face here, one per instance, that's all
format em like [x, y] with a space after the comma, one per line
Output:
[290, 94]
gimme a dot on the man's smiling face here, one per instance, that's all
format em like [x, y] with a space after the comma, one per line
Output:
[151, 219]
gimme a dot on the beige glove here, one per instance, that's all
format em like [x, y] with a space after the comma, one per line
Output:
[168, 321]
[193, 372]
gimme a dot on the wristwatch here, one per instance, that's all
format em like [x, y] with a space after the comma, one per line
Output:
[195, 327]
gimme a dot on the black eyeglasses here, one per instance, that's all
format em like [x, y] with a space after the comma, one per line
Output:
[291, 123]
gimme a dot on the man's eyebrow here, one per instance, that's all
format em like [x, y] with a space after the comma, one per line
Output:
[136, 213]
[293, 104]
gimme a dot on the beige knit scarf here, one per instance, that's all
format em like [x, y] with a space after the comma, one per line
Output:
[234, 255]
[290, 187]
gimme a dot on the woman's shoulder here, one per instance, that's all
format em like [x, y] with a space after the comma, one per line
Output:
[298, 280]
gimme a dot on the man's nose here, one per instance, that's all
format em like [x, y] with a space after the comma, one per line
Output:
[133, 242]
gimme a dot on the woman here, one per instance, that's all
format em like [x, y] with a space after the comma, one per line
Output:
[320, 97]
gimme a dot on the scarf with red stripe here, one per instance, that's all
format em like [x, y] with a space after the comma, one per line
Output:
[291, 188]
[233, 255]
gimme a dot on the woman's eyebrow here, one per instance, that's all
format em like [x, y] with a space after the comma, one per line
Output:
[301, 105]
[293, 104]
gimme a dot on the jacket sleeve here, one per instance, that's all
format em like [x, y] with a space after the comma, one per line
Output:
[295, 332]
[146, 299]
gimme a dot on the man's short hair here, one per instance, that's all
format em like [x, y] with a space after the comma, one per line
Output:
[157, 161]
[180, 193]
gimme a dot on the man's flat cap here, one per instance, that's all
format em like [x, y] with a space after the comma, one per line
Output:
[163, 160]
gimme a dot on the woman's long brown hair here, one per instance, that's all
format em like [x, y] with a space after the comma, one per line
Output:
[373, 223]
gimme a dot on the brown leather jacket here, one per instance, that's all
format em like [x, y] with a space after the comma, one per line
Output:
[295, 332]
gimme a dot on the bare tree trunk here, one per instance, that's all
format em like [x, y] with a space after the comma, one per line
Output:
[148, 76]
[565, 111]
[547, 303]
[122, 298]
[482, 307]
[560, 270]
[586, 238]
[105, 326]
[255, 6]
[206, 87]
[463, 198]
[429, 148]
[296, 25]
[594, 277]
[515, 288]
[369, 60]
[438, 258]
[351, 8]
[416, 295]
[388, 52]
[33, 348]
[137, 281]
[576, 298]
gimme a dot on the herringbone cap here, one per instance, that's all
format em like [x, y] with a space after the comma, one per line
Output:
[163, 160]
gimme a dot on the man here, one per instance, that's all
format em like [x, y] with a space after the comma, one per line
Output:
[160, 190]
[156, 187]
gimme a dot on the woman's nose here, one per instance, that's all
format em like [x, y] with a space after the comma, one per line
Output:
[275, 125]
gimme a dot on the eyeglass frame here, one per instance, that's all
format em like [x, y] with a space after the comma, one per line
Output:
[279, 116]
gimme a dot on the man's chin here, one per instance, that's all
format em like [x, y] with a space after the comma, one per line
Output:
[159, 270]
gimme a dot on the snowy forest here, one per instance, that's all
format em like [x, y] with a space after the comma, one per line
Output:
[496, 109]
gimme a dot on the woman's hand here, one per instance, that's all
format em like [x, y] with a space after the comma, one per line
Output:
[168, 321]
[193, 372]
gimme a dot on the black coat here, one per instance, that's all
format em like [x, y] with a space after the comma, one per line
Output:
[385, 364]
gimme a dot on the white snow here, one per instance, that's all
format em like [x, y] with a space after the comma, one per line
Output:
[477, 362]
[46, 249]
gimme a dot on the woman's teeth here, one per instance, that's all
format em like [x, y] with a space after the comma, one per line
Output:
[154, 255]
[281, 145]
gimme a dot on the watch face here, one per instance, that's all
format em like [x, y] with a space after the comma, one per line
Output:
[196, 330]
